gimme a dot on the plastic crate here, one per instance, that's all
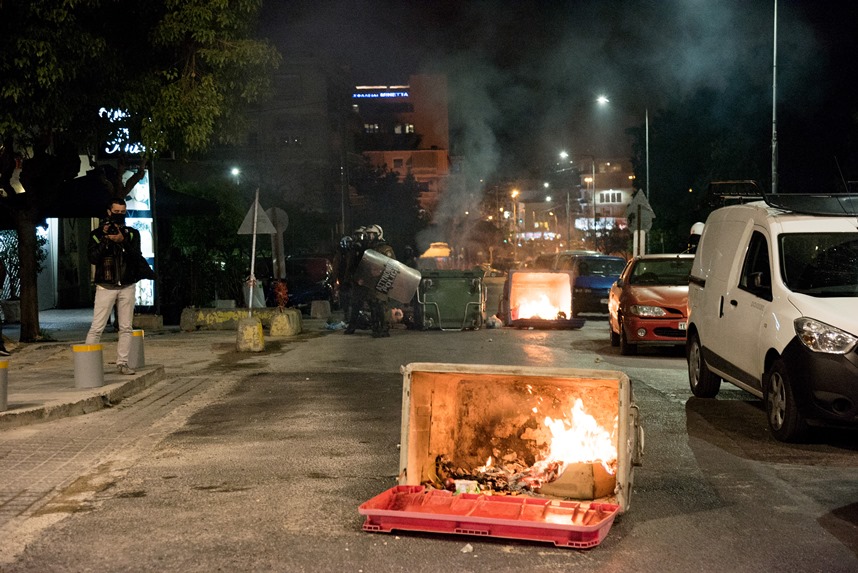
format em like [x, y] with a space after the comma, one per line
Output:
[578, 525]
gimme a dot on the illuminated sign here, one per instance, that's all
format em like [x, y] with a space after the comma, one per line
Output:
[140, 217]
[377, 95]
[120, 140]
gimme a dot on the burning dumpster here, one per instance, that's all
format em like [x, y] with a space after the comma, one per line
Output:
[527, 453]
[452, 300]
[540, 299]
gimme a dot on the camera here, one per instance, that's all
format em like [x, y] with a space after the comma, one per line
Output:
[111, 227]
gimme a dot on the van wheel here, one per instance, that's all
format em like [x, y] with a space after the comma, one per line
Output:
[615, 338]
[785, 420]
[704, 384]
[626, 348]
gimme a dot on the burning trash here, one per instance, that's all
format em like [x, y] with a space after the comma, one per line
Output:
[579, 462]
[558, 445]
[539, 299]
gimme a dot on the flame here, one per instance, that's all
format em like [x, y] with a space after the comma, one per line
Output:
[541, 308]
[579, 439]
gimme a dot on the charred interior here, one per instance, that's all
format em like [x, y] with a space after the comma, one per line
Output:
[490, 426]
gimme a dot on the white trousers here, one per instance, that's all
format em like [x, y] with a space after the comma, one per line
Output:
[105, 298]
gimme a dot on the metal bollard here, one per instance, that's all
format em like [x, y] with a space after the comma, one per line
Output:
[4, 385]
[88, 365]
[136, 355]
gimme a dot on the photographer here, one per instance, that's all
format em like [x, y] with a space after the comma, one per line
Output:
[114, 249]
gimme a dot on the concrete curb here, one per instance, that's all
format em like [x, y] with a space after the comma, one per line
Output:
[104, 397]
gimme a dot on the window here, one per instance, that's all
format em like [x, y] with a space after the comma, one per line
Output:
[397, 163]
[756, 277]
[409, 128]
[371, 128]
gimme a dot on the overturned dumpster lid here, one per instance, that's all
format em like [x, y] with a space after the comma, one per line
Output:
[565, 523]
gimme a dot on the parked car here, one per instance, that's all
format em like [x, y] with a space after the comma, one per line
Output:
[554, 261]
[594, 274]
[309, 279]
[648, 303]
[773, 308]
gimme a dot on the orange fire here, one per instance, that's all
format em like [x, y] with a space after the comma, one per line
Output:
[539, 308]
[578, 439]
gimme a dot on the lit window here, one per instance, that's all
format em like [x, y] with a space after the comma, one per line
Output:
[370, 128]
[409, 128]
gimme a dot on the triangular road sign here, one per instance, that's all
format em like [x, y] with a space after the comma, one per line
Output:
[264, 226]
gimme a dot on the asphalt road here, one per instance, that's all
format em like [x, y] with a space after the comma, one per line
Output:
[258, 462]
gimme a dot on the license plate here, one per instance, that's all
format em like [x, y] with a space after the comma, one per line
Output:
[603, 301]
[681, 326]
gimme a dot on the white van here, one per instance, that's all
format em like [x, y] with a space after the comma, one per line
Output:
[773, 308]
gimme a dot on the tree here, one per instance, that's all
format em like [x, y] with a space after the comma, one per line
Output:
[388, 202]
[180, 69]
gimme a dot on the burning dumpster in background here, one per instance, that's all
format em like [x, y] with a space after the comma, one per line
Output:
[539, 299]
[545, 454]
[452, 300]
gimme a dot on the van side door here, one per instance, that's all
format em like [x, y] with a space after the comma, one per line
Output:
[746, 305]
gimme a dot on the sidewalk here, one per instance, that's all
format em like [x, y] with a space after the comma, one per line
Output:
[41, 375]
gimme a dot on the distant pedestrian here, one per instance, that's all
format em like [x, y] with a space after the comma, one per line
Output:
[114, 249]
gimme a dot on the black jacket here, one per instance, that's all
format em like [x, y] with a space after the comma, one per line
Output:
[116, 264]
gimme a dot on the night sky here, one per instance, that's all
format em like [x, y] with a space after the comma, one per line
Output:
[524, 76]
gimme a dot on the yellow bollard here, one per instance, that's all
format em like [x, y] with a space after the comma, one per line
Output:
[4, 385]
[88, 365]
[137, 355]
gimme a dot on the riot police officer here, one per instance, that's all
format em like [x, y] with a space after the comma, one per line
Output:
[379, 306]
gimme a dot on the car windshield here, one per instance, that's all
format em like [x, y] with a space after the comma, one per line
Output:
[665, 272]
[601, 267]
[820, 264]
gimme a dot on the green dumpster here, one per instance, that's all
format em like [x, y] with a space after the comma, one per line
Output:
[452, 300]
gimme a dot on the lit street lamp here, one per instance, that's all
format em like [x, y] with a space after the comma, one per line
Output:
[514, 194]
[603, 100]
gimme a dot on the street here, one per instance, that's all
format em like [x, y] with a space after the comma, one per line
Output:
[258, 462]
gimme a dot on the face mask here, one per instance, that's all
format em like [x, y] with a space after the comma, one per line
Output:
[117, 218]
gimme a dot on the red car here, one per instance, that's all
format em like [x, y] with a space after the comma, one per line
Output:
[648, 304]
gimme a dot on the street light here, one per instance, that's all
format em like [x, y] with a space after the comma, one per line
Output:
[514, 194]
[564, 156]
[603, 100]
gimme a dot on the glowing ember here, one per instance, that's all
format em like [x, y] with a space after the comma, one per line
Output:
[579, 440]
[541, 308]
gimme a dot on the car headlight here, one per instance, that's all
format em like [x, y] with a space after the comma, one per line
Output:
[821, 337]
[644, 310]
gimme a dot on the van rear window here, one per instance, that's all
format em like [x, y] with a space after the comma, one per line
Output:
[820, 264]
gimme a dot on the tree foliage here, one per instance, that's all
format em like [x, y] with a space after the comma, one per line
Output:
[389, 202]
[181, 69]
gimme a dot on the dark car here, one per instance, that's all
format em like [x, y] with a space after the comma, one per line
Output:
[308, 279]
[594, 275]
